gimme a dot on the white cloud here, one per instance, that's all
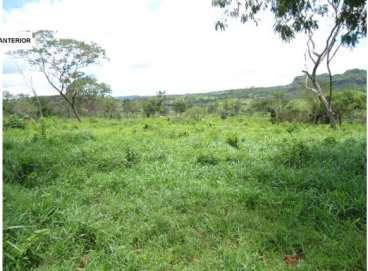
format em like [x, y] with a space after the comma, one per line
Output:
[171, 45]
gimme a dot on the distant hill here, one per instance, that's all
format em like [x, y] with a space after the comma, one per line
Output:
[355, 78]
[129, 97]
[350, 79]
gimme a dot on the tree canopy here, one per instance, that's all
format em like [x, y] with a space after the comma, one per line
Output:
[62, 61]
[295, 16]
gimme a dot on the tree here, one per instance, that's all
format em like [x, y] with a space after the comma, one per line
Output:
[213, 108]
[348, 102]
[24, 106]
[155, 105]
[150, 108]
[179, 107]
[278, 101]
[348, 18]
[86, 91]
[160, 100]
[62, 62]
[130, 106]
[8, 103]
[110, 105]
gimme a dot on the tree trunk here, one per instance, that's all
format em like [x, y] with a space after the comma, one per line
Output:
[71, 105]
[75, 112]
[318, 90]
[39, 105]
[326, 104]
[329, 111]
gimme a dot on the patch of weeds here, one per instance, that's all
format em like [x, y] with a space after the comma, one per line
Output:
[183, 134]
[207, 159]
[224, 115]
[329, 141]
[233, 141]
[9, 143]
[251, 199]
[132, 157]
[294, 154]
[74, 137]
[86, 237]
[292, 129]
[15, 122]
[28, 253]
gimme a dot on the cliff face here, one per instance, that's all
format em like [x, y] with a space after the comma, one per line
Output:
[355, 78]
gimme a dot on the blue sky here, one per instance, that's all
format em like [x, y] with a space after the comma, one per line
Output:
[11, 4]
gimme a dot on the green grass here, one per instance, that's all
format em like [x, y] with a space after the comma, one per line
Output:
[159, 194]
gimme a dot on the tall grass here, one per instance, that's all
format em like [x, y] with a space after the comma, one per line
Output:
[211, 194]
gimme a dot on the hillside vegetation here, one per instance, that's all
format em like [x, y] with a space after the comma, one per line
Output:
[183, 194]
[351, 79]
[282, 103]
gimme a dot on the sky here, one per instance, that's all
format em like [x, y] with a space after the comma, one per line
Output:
[168, 45]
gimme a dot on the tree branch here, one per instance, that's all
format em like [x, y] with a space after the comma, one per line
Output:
[308, 76]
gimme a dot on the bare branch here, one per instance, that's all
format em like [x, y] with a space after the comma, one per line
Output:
[29, 84]
[308, 76]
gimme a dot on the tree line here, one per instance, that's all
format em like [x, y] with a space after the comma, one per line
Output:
[349, 106]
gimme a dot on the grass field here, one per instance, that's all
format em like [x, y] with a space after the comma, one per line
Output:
[159, 194]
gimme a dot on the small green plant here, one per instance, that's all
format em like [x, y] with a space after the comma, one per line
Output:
[294, 154]
[224, 115]
[183, 134]
[132, 157]
[292, 129]
[207, 159]
[329, 141]
[233, 141]
[15, 121]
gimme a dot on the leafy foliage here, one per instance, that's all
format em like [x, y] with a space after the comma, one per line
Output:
[108, 194]
[296, 16]
[62, 62]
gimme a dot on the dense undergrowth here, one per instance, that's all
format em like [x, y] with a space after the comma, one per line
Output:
[170, 194]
